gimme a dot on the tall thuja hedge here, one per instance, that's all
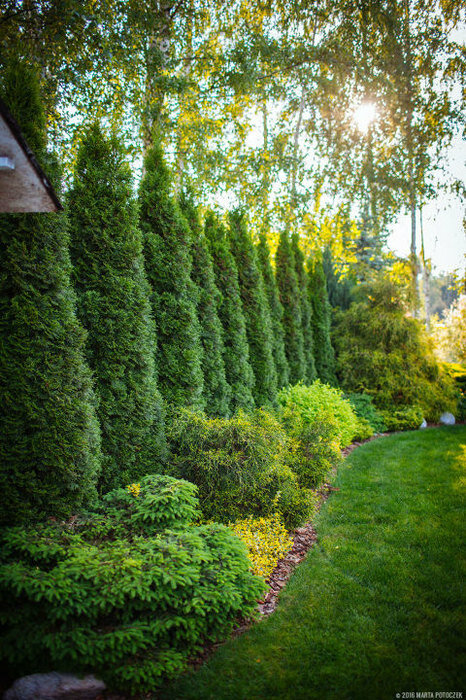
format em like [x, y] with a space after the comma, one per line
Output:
[276, 312]
[167, 243]
[288, 290]
[256, 312]
[217, 391]
[321, 320]
[306, 311]
[238, 370]
[49, 435]
[114, 307]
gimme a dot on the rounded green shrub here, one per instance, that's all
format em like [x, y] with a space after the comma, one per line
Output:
[403, 418]
[130, 609]
[364, 408]
[320, 422]
[240, 466]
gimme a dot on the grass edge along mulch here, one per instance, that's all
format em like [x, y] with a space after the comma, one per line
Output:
[376, 607]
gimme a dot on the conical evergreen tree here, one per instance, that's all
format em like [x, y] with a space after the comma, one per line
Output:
[49, 434]
[217, 392]
[256, 312]
[339, 290]
[290, 299]
[321, 321]
[238, 370]
[114, 307]
[306, 311]
[168, 266]
[276, 312]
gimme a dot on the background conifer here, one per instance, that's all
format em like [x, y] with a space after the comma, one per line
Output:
[168, 265]
[217, 391]
[321, 322]
[256, 312]
[114, 307]
[49, 434]
[276, 312]
[288, 290]
[238, 370]
[306, 311]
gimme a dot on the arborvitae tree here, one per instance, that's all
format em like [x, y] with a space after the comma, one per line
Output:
[238, 370]
[114, 307]
[256, 312]
[288, 290]
[306, 311]
[339, 290]
[276, 312]
[168, 265]
[49, 434]
[321, 321]
[217, 392]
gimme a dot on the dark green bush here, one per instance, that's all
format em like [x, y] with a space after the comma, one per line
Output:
[240, 466]
[85, 596]
[458, 373]
[403, 417]
[310, 373]
[321, 422]
[364, 408]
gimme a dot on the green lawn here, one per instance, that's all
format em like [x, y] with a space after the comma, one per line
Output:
[376, 608]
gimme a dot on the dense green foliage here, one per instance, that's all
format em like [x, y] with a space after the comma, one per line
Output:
[324, 355]
[239, 465]
[238, 370]
[49, 437]
[288, 290]
[114, 307]
[321, 422]
[117, 594]
[382, 352]
[168, 265]
[216, 392]
[458, 374]
[364, 408]
[403, 418]
[368, 612]
[306, 311]
[256, 312]
[276, 312]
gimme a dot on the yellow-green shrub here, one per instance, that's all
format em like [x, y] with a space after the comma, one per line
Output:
[266, 539]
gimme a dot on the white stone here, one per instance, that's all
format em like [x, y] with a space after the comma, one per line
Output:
[447, 418]
[423, 424]
[55, 686]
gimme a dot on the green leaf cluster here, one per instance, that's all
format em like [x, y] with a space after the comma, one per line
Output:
[132, 609]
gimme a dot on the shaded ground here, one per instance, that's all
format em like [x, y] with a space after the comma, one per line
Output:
[375, 609]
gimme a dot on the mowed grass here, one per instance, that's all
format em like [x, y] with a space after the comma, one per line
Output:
[376, 609]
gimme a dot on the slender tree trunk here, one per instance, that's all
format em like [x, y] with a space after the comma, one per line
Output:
[265, 217]
[294, 163]
[426, 273]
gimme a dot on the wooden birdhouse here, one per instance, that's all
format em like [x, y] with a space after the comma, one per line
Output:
[24, 187]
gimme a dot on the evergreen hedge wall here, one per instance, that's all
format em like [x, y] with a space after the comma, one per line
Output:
[49, 436]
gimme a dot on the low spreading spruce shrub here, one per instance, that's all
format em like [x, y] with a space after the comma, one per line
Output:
[240, 466]
[321, 422]
[93, 595]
